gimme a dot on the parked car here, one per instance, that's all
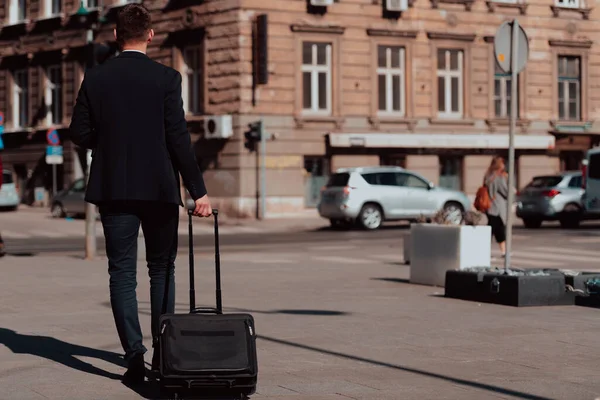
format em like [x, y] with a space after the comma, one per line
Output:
[552, 198]
[371, 195]
[9, 197]
[69, 201]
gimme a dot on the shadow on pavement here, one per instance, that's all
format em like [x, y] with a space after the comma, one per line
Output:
[395, 280]
[21, 254]
[60, 352]
[184, 308]
[457, 381]
[150, 390]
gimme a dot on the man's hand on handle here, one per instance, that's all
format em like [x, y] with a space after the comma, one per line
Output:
[202, 207]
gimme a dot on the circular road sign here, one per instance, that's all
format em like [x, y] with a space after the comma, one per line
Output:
[503, 47]
[52, 137]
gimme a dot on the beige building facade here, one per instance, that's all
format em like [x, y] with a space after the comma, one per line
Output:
[349, 84]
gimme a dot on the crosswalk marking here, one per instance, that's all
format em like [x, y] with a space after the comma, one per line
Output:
[584, 240]
[388, 257]
[517, 262]
[48, 234]
[271, 261]
[341, 260]
[330, 248]
[554, 257]
[591, 253]
[14, 235]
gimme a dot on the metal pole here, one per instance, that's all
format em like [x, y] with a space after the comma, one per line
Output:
[90, 209]
[263, 170]
[90, 219]
[54, 180]
[511, 142]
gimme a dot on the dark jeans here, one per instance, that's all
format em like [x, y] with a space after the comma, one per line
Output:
[121, 222]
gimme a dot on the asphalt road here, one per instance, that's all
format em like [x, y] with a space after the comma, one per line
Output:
[586, 238]
[238, 242]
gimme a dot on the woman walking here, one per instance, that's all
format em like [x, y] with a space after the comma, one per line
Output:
[496, 181]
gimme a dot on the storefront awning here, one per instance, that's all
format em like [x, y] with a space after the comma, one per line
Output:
[439, 141]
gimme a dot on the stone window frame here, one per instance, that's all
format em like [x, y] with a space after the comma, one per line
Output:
[48, 120]
[319, 34]
[451, 41]
[405, 39]
[579, 49]
[9, 21]
[13, 95]
[178, 63]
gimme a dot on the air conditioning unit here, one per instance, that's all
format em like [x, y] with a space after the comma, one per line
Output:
[321, 3]
[218, 127]
[396, 5]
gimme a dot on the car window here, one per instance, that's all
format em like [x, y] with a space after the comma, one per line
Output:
[338, 180]
[7, 178]
[412, 181]
[593, 167]
[78, 186]
[381, 179]
[575, 182]
[545, 181]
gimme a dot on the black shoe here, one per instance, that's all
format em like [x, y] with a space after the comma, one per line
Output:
[136, 370]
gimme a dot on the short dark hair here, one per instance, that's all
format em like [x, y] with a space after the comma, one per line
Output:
[133, 24]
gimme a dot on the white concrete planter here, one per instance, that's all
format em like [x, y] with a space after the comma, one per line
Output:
[434, 249]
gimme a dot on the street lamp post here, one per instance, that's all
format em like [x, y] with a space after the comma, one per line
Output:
[90, 209]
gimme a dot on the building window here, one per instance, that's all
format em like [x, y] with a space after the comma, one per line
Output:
[20, 99]
[567, 3]
[569, 88]
[451, 172]
[17, 11]
[54, 94]
[395, 160]
[192, 85]
[503, 93]
[53, 7]
[316, 77]
[450, 83]
[391, 80]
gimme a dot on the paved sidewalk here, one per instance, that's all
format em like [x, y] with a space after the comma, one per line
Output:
[327, 331]
[30, 222]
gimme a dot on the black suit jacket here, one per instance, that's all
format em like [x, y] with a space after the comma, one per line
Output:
[129, 111]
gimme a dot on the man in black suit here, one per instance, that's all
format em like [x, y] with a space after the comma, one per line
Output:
[129, 111]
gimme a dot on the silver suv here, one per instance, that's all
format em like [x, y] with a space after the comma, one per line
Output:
[372, 195]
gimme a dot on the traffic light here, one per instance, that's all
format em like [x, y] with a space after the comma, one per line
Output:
[252, 135]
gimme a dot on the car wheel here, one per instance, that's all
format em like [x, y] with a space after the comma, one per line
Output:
[532, 223]
[571, 217]
[57, 210]
[453, 213]
[370, 217]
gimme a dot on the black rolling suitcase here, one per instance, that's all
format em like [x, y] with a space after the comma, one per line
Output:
[207, 352]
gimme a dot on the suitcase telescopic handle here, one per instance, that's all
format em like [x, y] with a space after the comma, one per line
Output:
[219, 303]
